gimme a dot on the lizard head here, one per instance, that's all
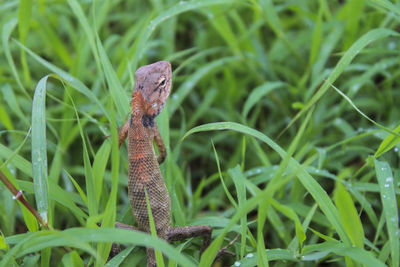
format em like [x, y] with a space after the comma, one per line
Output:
[154, 83]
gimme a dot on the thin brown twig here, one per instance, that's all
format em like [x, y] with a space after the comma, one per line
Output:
[17, 195]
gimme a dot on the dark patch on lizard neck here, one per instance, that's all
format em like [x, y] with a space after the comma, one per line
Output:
[148, 120]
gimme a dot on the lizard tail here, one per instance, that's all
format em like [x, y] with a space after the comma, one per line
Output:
[151, 258]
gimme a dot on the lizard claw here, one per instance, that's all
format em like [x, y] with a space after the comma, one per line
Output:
[225, 250]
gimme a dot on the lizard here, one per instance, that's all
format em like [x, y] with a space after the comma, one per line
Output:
[151, 90]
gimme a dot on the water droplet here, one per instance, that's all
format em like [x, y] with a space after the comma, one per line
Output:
[358, 51]
[250, 255]
[258, 170]
[396, 149]
[389, 179]
[382, 169]
[175, 96]
[317, 171]
[355, 87]
[392, 45]
[237, 263]
[386, 185]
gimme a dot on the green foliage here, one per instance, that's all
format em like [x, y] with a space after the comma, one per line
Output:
[278, 114]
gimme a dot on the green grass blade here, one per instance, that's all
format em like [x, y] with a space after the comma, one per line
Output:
[238, 179]
[82, 237]
[389, 202]
[159, 257]
[68, 78]
[7, 29]
[388, 143]
[72, 259]
[89, 179]
[99, 167]
[226, 190]
[257, 94]
[178, 97]
[117, 93]
[24, 22]
[357, 254]
[362, 114]
[389, 6]
[39, 148]
[349, 215]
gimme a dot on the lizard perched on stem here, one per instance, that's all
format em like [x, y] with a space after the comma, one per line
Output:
[151, 90]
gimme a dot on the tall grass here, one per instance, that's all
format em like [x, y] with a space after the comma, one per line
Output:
[282, 126]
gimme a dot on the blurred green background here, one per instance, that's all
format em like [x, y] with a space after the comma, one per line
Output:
[306, 171]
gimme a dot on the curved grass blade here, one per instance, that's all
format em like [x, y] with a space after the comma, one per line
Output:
[68, 78]
[82, 237]
[357, 254]
[317, 192]
[39, 148]
[388, 143]
[361, 113]
[6, 32]
[345, 60]
[257, 93]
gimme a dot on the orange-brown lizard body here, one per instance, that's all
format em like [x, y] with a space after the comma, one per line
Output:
[151, 90]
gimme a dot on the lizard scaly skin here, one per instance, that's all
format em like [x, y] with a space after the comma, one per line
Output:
[151, 90]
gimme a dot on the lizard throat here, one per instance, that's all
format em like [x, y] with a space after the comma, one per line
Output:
[148, 120]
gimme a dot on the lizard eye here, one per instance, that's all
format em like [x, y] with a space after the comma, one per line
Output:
[162, 82]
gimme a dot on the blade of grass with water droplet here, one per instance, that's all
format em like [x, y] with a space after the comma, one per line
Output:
[39, 148]
[389, 202]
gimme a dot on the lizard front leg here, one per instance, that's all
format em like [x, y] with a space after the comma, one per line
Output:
[185, 232]
[123, 132]
[162, 152]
